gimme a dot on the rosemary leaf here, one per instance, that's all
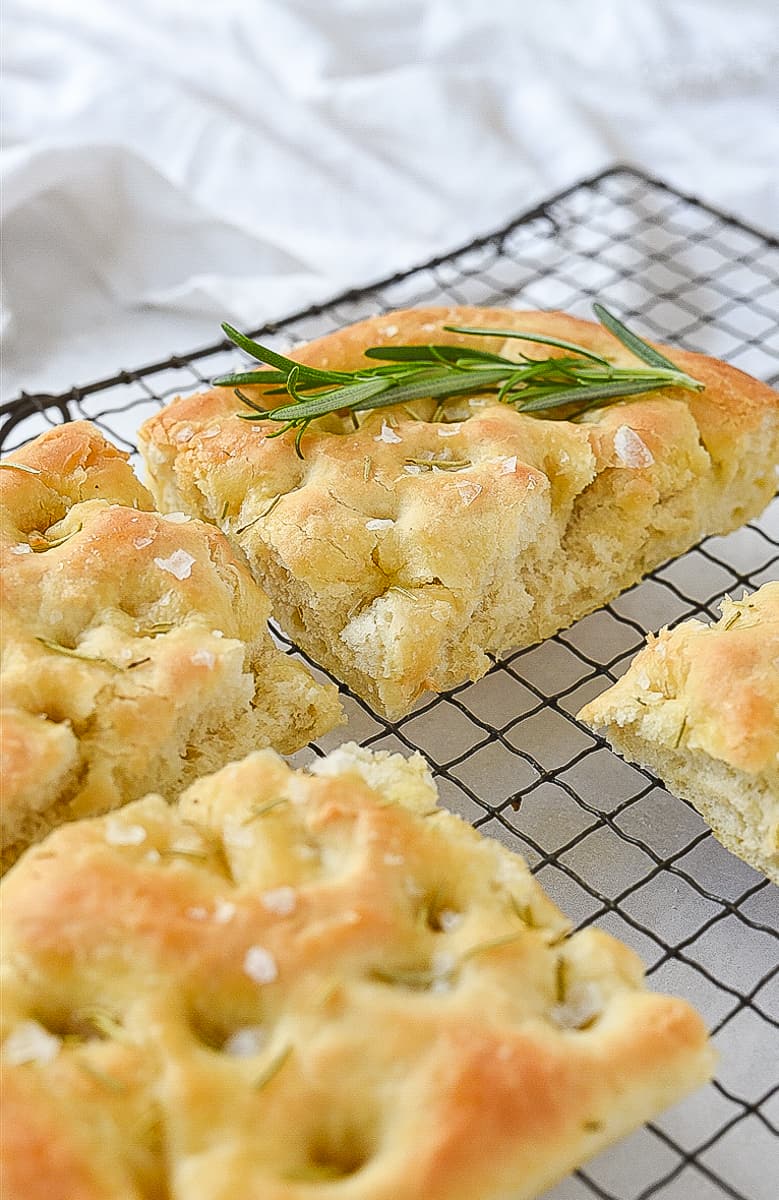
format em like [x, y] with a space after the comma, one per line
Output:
[631, 340]
[530, 337]
[58, 649]
[272, 1069]
[568, 384]
[12, 466]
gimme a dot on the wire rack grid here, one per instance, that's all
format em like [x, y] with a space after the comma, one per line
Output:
[606, 840]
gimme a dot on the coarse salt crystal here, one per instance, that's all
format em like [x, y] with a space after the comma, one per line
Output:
[119, 834]
[176, 518]
[563, 457]
[245, 1042]
[217, 633]
[260, 965]
[280, 900]
[387, 435]
[413, 469]
[448, 430]
[30, 1042]
[21, 548]
[179, 564]
[509, 466]
[448, 919]
[224, 911]
[213, 432]
[630, 449]
[140, 543]
[394, 860]
[378, 523]
[203, 658]
[389, 330]
[468, 490]
[183, 434]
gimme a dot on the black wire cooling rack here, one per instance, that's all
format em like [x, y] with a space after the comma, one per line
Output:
[605, 839]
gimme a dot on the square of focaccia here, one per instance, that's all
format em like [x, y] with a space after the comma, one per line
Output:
[135, 647]
[291, 980]
[699, 706]
[398, 578]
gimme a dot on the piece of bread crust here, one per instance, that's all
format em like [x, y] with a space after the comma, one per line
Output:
[398, 579]
[136, 653]
[291, 978]
[699, 706]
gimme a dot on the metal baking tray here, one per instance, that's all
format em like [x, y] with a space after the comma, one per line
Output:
[606, 840]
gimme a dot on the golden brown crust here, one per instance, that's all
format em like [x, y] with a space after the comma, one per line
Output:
[135, 647]
[400, 579]
[290, 978]
[700, 705]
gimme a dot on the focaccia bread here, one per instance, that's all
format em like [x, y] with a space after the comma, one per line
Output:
[290, 979]
[398, 578]
[135, 648]
[699, 706]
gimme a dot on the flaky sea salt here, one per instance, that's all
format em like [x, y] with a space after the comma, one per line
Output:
[447, 430]
[119, 834]
[179, 564]
[237, 835]
[184, 434]
[245, 1042]
[377, 523]
[21, 548]
[203, 658]
[30, 1042]
[260, 965]
[448, 919]
[224, 911]
[176, 518]
[281, 901]
[213, 432]
[630, 449]
[468, 490]
[509, 466]
[140, 543]
[389, 331]
[387, 435]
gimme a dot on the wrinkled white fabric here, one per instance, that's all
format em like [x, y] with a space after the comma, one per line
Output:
[169, 164]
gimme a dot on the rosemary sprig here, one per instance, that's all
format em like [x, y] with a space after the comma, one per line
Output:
[568, 384]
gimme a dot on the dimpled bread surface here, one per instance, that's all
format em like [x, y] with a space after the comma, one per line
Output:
[135, 648]
[290, 979]
[398, 578]
[699, 706]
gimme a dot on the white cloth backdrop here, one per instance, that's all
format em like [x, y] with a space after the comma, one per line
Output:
[170, 163]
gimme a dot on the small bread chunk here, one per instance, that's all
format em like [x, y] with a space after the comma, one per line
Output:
[136, 653]
[699, 706]
[288, 979]
[401, 554]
